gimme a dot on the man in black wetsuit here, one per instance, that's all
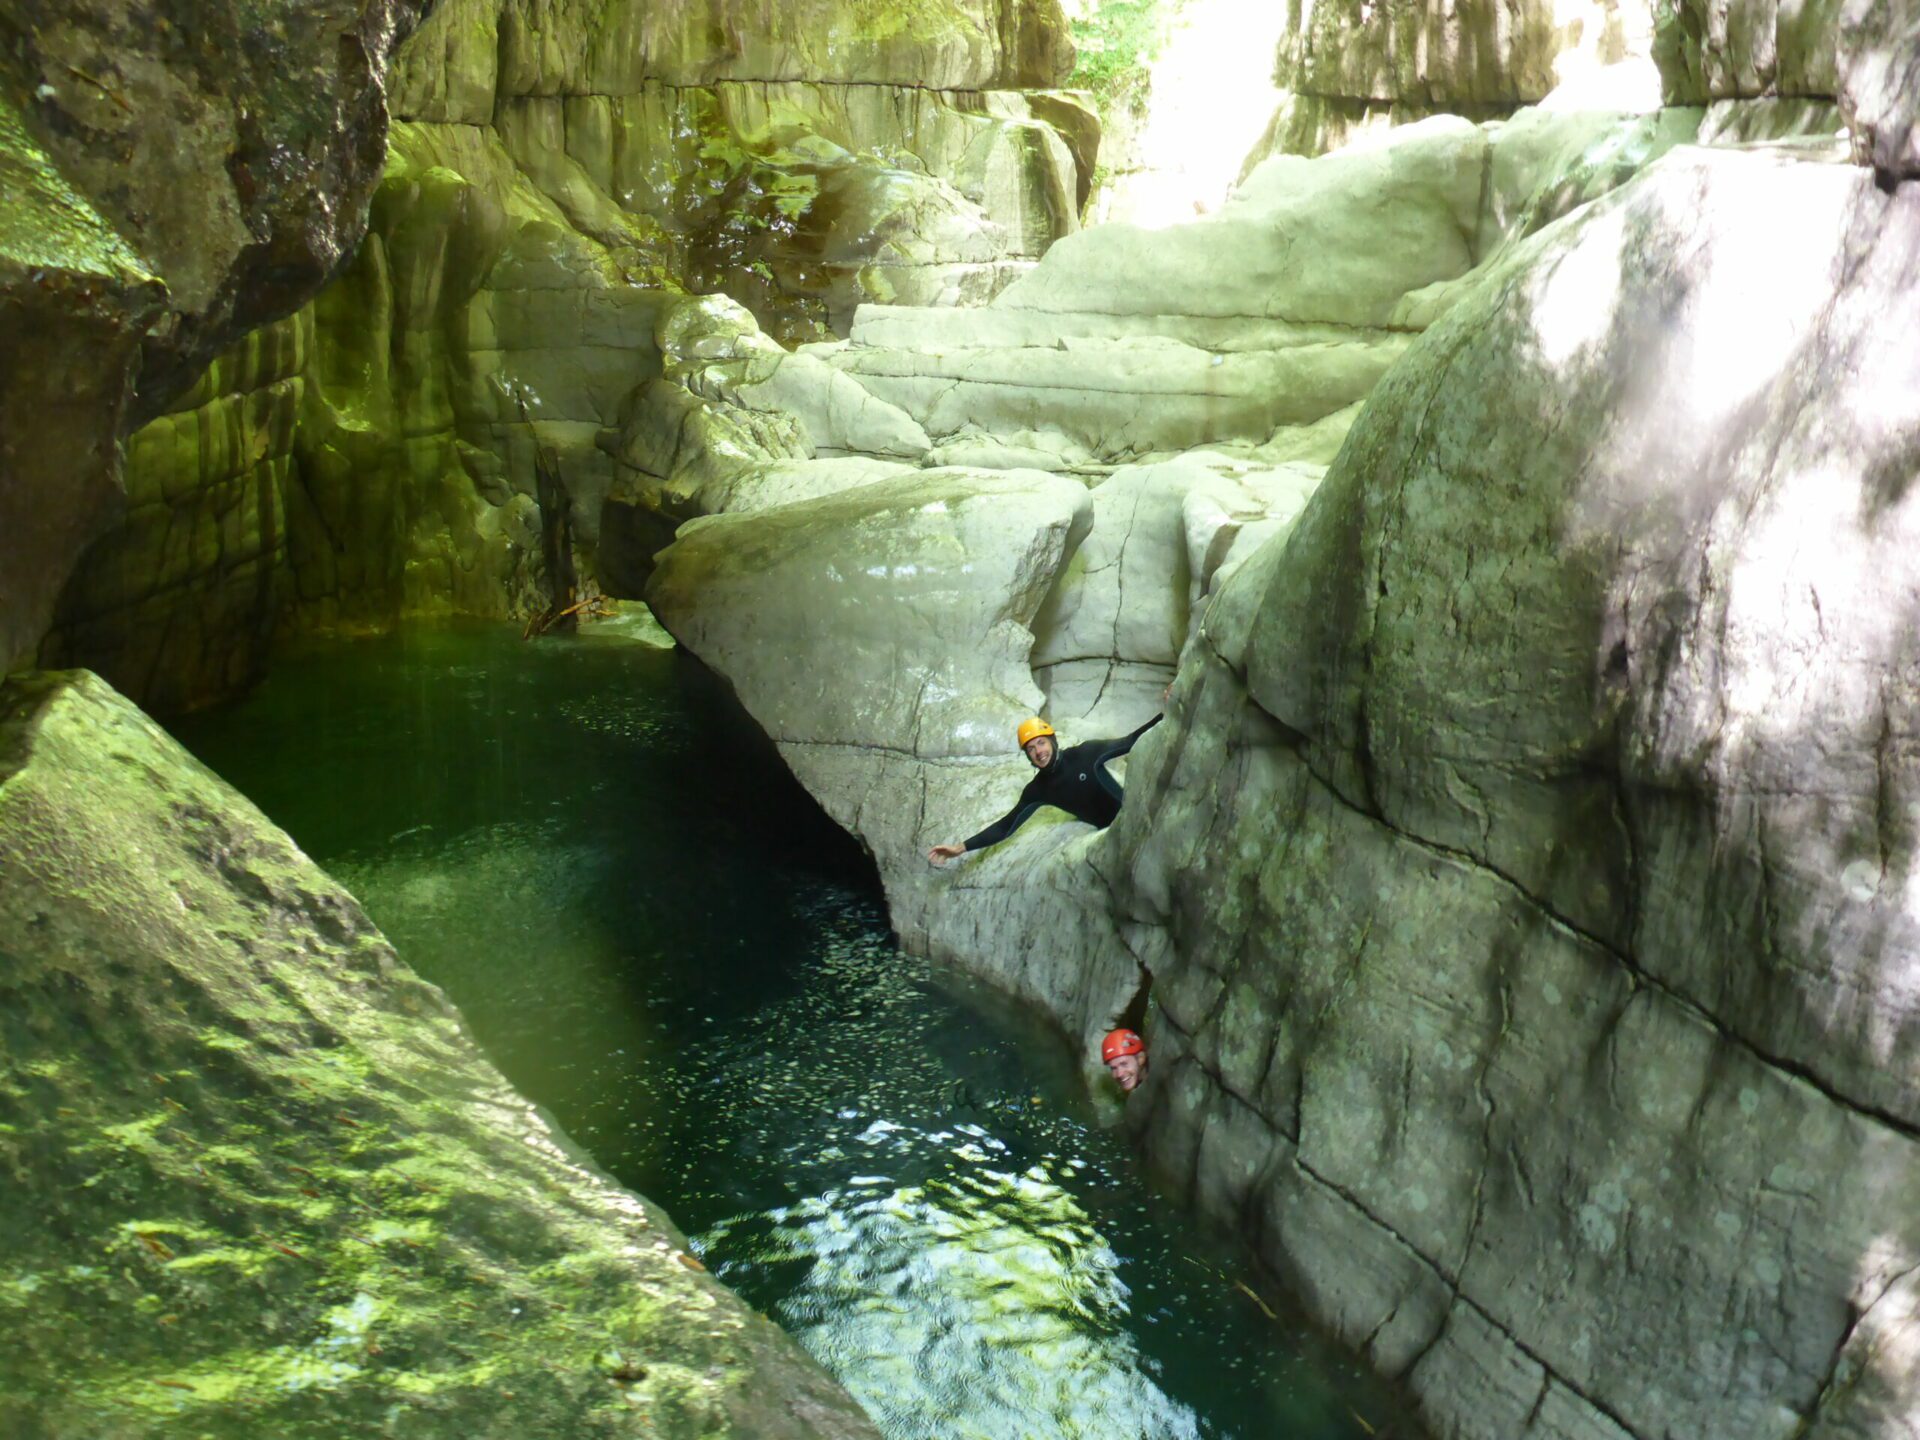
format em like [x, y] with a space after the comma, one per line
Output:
[1074, 780]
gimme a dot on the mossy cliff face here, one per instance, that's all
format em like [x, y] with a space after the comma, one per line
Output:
[556, 176]
[171, 176]
[260, 1180]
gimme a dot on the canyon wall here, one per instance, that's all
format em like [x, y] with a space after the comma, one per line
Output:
[556, 173]
[168, 188]
[1519, 887]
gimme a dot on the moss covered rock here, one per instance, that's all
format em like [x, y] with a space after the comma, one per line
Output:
[171, 177]
[261, 1181]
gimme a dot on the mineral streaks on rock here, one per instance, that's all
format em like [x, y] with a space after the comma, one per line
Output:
[173, 176]
[1527, 839]
[201, 549]
[557, 176]
[261, 1181]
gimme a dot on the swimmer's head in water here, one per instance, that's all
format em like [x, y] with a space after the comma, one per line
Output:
[1125, 1056]
[1037, 740]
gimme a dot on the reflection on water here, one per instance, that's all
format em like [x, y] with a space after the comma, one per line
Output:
[656, 935]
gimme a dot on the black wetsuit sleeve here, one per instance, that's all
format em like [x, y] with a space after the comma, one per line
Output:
[1114, 749]
[1007, 823]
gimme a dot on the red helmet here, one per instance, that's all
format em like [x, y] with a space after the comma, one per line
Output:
[1121, 1042]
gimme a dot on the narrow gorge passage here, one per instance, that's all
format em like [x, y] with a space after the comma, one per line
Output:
[657, 936]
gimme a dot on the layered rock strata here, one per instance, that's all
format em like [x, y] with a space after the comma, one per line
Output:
[1520, 877]
[261, 1180]
[172, 181]
[1355, 251]
[558, 175]
[1351, 69]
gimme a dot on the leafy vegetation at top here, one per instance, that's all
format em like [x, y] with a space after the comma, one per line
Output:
[1115, 41]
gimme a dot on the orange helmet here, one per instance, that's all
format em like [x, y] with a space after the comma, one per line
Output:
[1121, 1042]
[1032, 728]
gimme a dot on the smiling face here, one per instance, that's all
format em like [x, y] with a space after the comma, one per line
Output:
[1039, 751]
[1128, 1070]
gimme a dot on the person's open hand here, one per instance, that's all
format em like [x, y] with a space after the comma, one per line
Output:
[940, 854]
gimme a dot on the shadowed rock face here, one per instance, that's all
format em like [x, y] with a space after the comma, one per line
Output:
[232, 143]
[259, 1179]
[176, 172]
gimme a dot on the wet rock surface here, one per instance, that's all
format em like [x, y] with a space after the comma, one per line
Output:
[260, 1178]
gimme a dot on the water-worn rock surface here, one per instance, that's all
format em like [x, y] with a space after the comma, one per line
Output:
[173, 176]
[1521, 873]
[260, 1179]
[1569, 993]
[558, 175]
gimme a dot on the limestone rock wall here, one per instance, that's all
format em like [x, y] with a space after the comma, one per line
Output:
[1348, 69]
[174, 176]
[178, 599]
[1566, 993]
[1348, 256]
[1723, 49]
[557, 174]
[261, 1180]
[1519, 885]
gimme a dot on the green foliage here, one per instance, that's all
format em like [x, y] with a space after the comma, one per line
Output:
[1115, 41]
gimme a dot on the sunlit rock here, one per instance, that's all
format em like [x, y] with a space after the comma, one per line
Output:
[260, 1179]
[1528, 893]
[1273, 316]
[1354, 70]
[713, 348]
[1880, 85]
[1114, 625]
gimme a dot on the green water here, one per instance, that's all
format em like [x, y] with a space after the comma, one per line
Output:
[656, 935]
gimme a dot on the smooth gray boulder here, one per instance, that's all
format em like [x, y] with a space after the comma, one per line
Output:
[1269, 318]
[260, 1179]
[1526, 874]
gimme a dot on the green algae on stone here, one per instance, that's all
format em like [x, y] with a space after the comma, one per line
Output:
[261, 1181]
[45, 222]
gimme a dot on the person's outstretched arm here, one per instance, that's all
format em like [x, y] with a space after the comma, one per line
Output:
[993, 834]
[1114, 749]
